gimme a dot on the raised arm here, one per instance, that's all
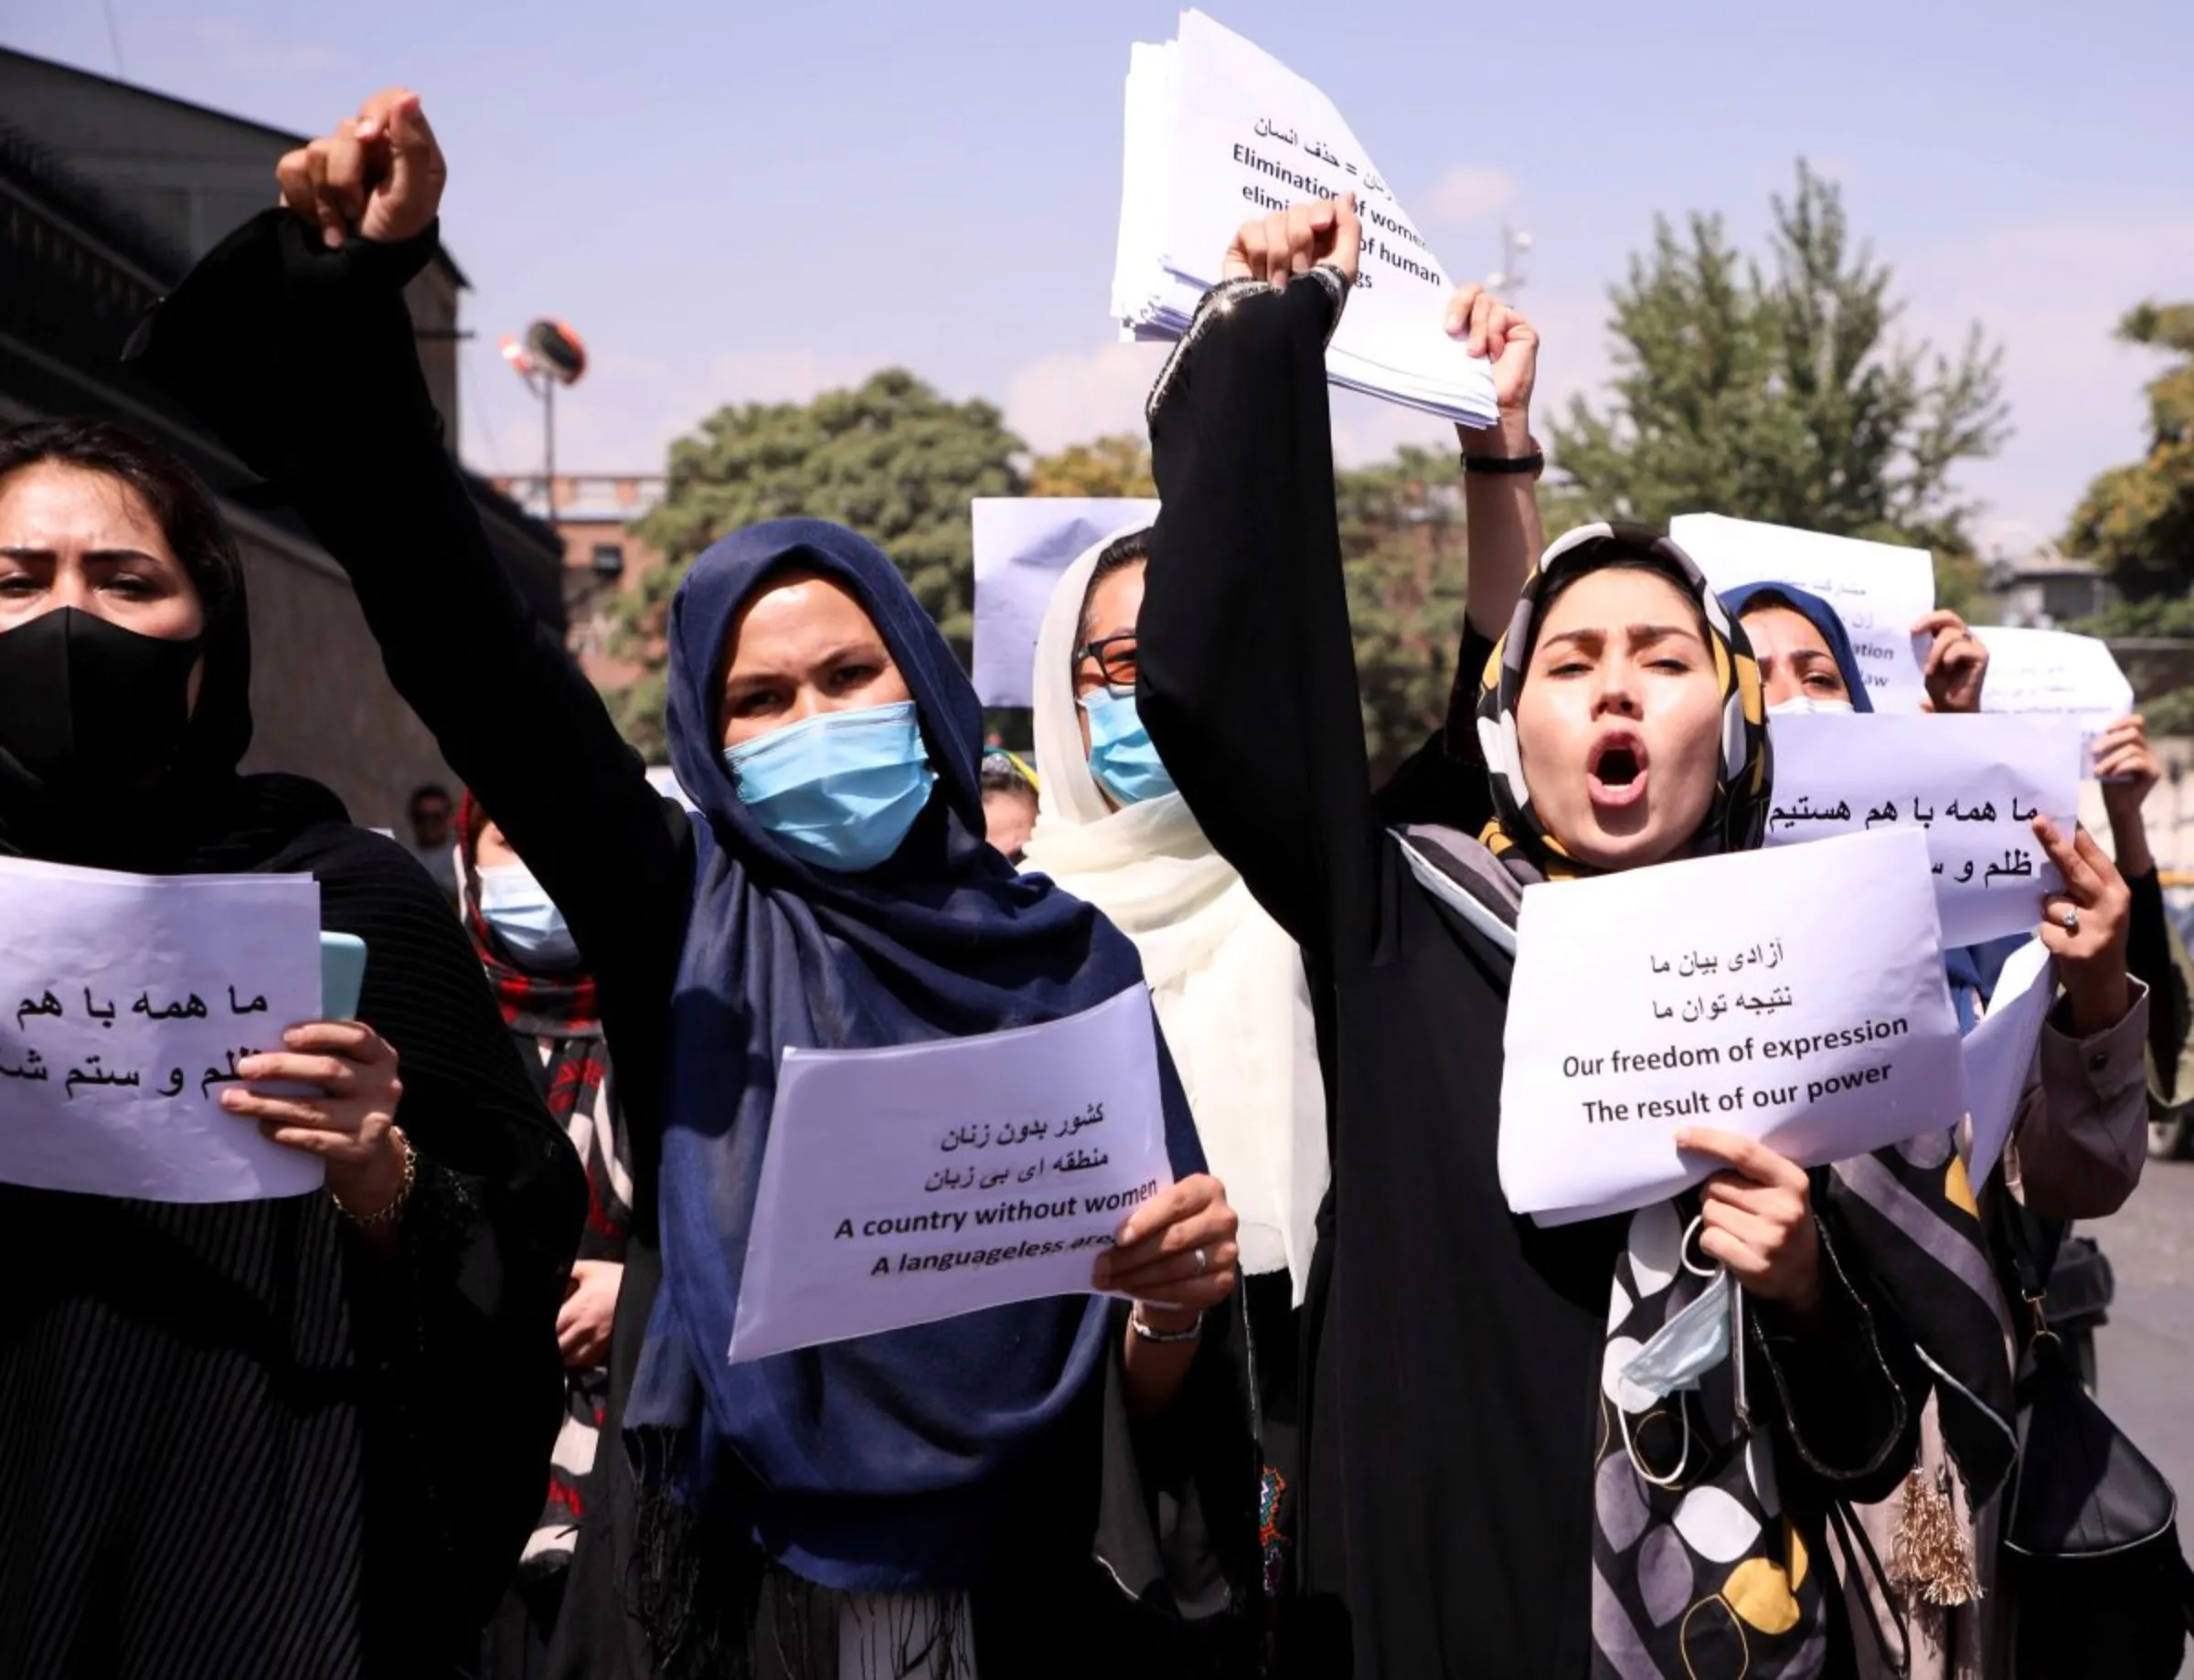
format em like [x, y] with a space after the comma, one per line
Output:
[1501, 463]
[293, 341]
[1248, 675]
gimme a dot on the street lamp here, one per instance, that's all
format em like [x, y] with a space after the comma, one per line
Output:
[550, 356]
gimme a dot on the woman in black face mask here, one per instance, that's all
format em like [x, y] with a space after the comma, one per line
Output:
[298, 1437]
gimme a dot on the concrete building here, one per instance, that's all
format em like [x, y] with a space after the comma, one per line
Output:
[108, 193]
[593, 513]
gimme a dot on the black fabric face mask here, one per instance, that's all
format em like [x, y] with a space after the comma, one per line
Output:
[88, 704]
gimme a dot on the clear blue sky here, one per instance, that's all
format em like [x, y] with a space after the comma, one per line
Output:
[737, 201]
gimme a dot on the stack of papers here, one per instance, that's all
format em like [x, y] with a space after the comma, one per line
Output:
[1220, 132]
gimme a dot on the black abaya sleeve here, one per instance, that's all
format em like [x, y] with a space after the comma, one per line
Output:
[457, 1335]
[1248, 670]
[302, 359]
[2152, 950]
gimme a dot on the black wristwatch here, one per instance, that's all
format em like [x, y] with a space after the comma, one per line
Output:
[1533, 463]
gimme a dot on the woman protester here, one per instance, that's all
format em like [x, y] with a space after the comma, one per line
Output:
[1228, 985]
[296, 1438]
[1486, 1492]
[1924, 1586]
[548, 1000]
[1042, 1488]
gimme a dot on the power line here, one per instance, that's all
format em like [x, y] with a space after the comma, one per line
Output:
[114, 38]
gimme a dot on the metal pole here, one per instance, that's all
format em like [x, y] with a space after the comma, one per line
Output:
[549, 445]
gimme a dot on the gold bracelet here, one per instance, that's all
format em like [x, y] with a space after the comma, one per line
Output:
[395, 1204]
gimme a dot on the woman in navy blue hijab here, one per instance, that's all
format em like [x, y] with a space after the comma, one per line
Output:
[1049, 1488]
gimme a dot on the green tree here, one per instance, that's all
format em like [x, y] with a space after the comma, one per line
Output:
[1776, 392]
[891, 459]
[1405, 555]
[2136, 522]
[1118, 465]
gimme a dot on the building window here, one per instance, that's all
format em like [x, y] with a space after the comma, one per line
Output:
[609, 559]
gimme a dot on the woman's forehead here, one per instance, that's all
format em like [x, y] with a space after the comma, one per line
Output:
[798, 613]
[1787, 627]
[1617, 597]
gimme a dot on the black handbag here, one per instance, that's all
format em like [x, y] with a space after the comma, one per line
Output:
[2091, 1558]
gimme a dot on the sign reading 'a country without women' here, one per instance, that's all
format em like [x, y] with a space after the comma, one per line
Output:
[914, 1183]
[1794, 996]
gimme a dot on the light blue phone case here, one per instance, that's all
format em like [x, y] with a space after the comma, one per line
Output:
[341, 976]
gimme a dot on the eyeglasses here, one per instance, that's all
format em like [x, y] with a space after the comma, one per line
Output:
[1116, 657]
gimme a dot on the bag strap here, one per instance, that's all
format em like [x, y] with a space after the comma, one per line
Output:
[1862, 1565]
[2032, 1245]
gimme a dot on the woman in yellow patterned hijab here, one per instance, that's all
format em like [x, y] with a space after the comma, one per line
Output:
[1591, 723]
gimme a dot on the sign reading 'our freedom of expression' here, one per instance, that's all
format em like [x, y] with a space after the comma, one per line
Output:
[1794, 996]
[126, 1002]
[910, 1184]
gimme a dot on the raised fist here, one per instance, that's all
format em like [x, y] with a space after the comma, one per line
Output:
[378, 175]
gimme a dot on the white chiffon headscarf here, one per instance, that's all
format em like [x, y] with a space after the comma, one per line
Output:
[1228, 983]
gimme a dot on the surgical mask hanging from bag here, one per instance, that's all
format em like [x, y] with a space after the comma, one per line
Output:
[524, 918]
[1688, 1347]
[1122, 758]
[839, 790]
[86, 704]
[1805, 703]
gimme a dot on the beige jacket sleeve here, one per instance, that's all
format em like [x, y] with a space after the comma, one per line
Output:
[2080, 1137]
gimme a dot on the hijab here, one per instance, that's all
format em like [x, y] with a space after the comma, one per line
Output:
[1228, 983]
[1736, 817]
[887, 1462]
[200, 816]
[557, 1006]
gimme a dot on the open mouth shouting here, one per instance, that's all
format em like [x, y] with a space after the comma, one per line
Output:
[1615, 773]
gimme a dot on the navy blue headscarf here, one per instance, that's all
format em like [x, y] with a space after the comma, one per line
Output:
[883, 1463]
[1961, 965]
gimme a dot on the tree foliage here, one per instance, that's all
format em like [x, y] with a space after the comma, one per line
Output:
[2136, 522]
[1118, 465]
[1779, 392]
[891, 459]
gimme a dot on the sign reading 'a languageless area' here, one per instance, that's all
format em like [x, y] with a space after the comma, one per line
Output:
[1794, 996]
[1973, 784]
[916, 1183]
[126, 1002]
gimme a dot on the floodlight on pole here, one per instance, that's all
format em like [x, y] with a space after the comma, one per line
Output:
[1509, 279]
[550, 354]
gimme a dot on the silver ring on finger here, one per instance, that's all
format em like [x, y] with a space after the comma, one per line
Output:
[2070, 919]
[1203, 1262]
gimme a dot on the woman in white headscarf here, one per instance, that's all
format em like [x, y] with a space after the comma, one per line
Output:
[1228, 985]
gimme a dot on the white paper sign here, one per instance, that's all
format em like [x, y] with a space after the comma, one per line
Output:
[1220, 132]
[1022, 544]
[1879, 590]
[126, 1003]
[1973, 782]
[1794, 996]
[2055, 671]
[2000, 1053]
[911, 1183]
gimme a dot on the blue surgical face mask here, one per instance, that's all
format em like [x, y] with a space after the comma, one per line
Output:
[1807, 703]
[838, 790]
[524, 918]
[1688, 1347]
[1121, 755]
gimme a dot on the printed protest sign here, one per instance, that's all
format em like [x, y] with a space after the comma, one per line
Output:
[1022, 544]
[125, 1004]
[1974, 783]
[1879, 590]
[915, 1183]
[1795, 996]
